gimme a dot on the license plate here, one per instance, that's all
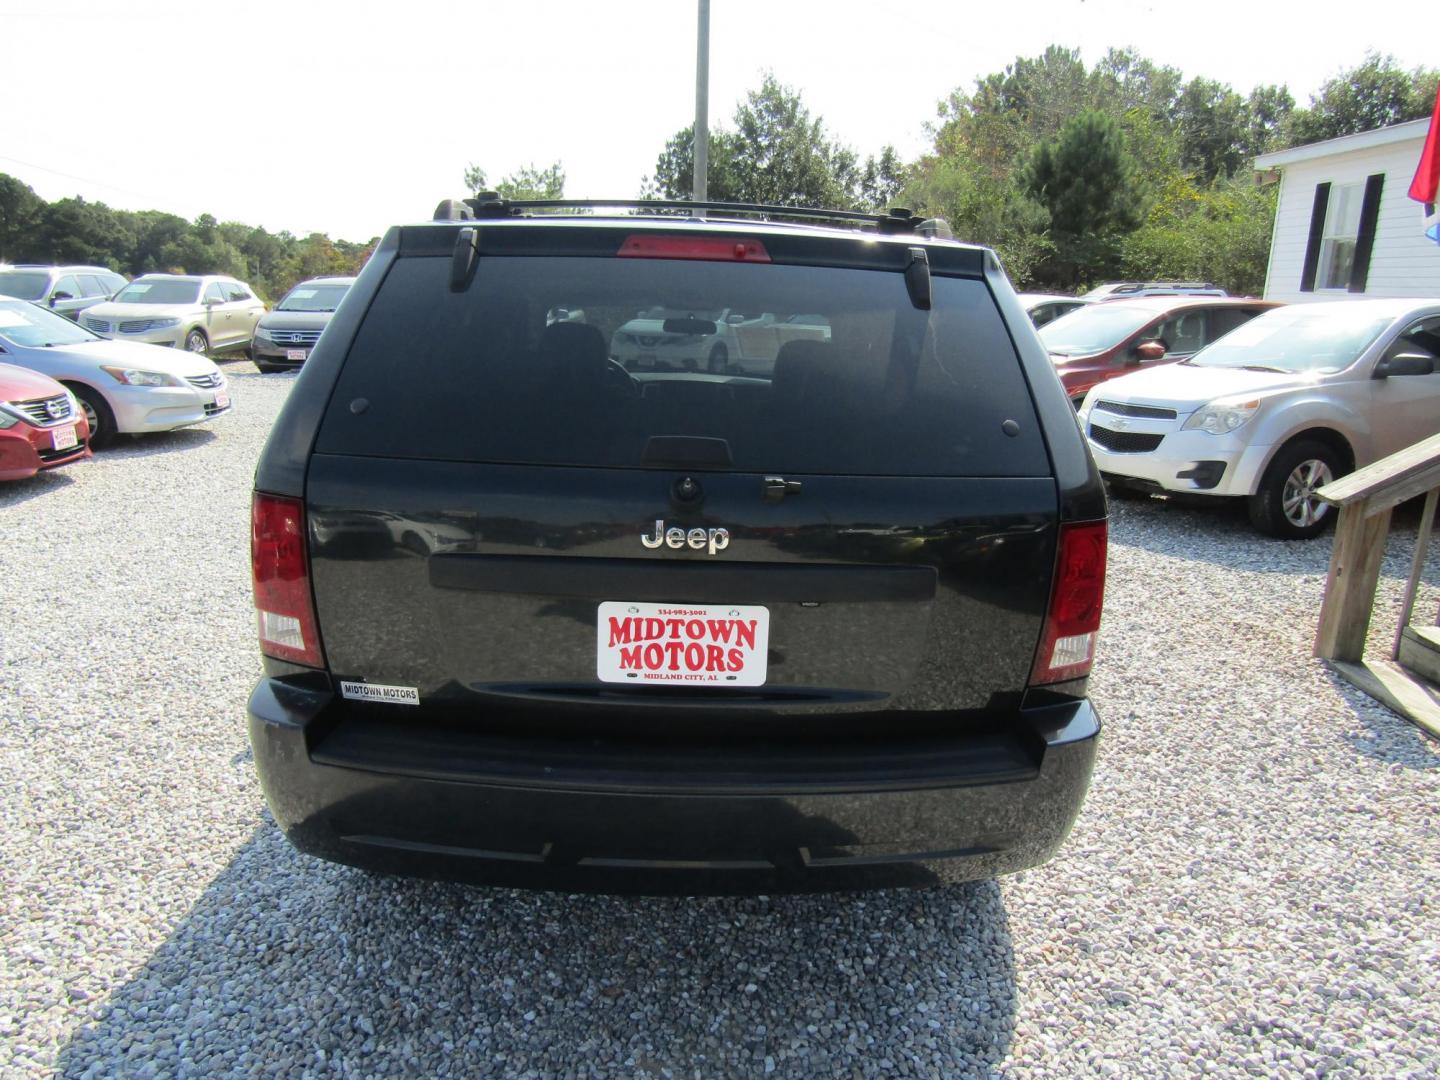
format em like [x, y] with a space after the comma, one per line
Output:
[222, 401]
[710, 645]
[295, 354]
[62, 438]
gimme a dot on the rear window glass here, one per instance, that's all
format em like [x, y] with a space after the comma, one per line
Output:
[602, 362]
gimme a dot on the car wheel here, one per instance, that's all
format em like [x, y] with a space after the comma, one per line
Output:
[98, 415]
[1286, 506]
[719, 358]
[197, 342]
[264, 368]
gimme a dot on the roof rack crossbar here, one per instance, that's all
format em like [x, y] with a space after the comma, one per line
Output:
[898, 219]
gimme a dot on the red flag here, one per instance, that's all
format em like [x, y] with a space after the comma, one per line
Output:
[1427, 173]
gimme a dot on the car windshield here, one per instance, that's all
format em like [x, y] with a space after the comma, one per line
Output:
[1093, 329]
[313, 298]
[1296, 339]
[25, 325]
[159, 292]
[24, 284]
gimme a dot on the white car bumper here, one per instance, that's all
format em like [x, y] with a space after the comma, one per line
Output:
[1161, 452]
[164, 408]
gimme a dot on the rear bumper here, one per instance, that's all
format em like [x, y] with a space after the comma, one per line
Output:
[355, 784]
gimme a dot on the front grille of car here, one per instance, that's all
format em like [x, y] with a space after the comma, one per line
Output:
[55, 455]
[215, 410]
[135, 326]
[1122, 409]
[97, 326]
[46, 411]
[205, 382]
[294, 337]
[1125, 442]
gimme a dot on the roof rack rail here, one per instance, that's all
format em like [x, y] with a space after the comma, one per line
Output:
[898, 220]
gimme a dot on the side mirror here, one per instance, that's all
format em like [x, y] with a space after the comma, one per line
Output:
[211, 301]
[1405, 363]
[55, 298]
[1150, 350]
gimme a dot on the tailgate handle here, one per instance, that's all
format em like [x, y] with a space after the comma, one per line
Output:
[775, 488]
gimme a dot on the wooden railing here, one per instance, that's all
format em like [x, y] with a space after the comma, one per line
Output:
[1405, 681]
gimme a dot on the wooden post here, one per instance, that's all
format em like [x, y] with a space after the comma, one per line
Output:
[1350, 588]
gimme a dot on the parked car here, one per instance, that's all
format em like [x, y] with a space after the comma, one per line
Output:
[824, 626]
[674, 339]
[1114, 290]
[200, 314]
[41, 424]
[1047, 307]
[285, 336]
[122, 386]
[1106, 340]
[1278, 409]
[65, 290]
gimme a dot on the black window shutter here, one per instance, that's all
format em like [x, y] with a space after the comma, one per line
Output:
[1365, 239]
[1317, 234]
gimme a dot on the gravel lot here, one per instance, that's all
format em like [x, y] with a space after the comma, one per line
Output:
[1251, 888]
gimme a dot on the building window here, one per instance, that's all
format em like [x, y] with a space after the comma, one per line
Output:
[1342, 227]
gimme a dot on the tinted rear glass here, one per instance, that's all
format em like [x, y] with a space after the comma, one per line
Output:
[584, 361]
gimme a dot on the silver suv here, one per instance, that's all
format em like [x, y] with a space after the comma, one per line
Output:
[1276, 409]
[65, 290]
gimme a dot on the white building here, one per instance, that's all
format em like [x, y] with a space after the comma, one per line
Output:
[1344, 225]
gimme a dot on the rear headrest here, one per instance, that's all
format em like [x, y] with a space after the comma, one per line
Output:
[573, 352]
[796, 364]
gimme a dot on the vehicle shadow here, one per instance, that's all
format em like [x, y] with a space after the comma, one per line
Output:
[1387, 737]
[1196, 529]
[16, 492]
[288, 964]
[161, 442]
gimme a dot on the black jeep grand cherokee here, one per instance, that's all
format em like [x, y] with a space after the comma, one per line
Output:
[812, 612]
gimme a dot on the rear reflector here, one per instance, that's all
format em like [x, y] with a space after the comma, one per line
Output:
[285, 609]
[713, 248]
[1067, 643]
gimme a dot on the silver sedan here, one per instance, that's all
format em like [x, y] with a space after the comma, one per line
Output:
[123, 386]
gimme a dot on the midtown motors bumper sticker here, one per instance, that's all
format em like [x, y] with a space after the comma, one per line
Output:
[390, 695]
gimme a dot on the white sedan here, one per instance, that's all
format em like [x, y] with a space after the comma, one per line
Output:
[1276, 409]
[123, 386]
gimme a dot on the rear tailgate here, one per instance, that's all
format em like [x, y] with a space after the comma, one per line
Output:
[877, 514]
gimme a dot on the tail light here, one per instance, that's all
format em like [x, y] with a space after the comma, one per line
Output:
[284, 605]
[1067, 643]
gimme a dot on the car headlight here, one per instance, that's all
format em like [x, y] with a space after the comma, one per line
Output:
[7, 419]
[136, 377]
[263, 334]
[161, 324]
[1223, 415]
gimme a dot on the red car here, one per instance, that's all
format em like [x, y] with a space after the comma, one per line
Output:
[40, 424]
[1101, 341]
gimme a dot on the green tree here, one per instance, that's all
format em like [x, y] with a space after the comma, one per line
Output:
[1213, 123]
[524, 183]
[20, 208]
[1086, 181]
[1375, 93]
[1219, 233]
[778, 153]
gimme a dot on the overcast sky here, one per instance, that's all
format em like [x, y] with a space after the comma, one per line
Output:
[315, 115]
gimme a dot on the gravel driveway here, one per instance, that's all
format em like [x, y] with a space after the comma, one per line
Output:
[1251, 889]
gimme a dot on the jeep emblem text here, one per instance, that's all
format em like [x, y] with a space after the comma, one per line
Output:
[699, 539]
